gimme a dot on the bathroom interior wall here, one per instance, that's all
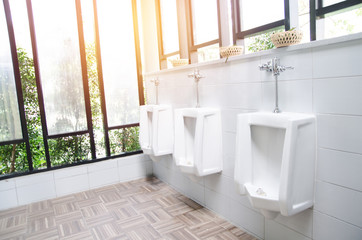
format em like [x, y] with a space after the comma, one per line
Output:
[326, 81]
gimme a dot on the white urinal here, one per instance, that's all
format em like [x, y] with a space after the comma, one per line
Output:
[275, 157]
[156, 129]
[198, 141]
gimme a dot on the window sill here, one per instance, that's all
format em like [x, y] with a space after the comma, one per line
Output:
[308, 45]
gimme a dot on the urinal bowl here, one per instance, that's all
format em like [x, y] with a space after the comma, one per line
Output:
[198, 141]
[156, 130]
[274, 165]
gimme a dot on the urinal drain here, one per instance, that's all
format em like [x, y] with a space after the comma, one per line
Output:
[260, 192]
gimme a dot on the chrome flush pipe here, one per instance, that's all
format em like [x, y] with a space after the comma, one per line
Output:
[157, 83]
[196, 76]
[275, 68]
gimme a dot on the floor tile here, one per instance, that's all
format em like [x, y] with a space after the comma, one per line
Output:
[140, 209]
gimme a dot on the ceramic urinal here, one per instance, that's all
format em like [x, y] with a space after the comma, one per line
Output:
[156, 129]
[275, 156]
[198, 141]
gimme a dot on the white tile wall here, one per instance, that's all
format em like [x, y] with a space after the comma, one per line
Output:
[339, 202]
[341, 168]
[31, 188]
[327, 81]
[331, 228]
[276, 231]
[340, 132]
[338, 95]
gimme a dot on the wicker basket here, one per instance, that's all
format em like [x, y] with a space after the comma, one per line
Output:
[226, 52]
[283, 39]
[179, 62]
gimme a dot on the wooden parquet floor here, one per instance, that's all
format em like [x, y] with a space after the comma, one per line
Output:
[142, 209]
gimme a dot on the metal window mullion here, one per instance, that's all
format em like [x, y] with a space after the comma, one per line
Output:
[322, 11]
[286, 15]
[38, 81]
[61, 135]
[100, 80]
[124, 126]
[219, 21]
[190, 32]
[83, 60]
[19, 89]
[16, 141]
[313, 19]
[138, 54]
[243, 34]
[159, 31]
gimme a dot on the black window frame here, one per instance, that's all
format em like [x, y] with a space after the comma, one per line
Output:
[318, 11]
[236, 15]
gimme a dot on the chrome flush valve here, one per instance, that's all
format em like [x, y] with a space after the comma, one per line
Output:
[196, 76]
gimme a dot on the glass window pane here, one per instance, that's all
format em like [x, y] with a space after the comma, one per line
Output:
[60, 66]
[330, 2]
[208, 53]
[255, 13]
[67, 150]
[10, 126]
[204, 21]
[118, 61]
[341, 24]
[169, 26]
[124, 140]
[304, 19]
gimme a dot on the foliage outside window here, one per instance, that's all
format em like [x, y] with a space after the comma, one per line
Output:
[65, 148]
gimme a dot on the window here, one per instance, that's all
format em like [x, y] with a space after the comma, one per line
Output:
[65, 96]
[10, 127]
[204, 31]
[257, 19]
[168, 31]
[333, 18]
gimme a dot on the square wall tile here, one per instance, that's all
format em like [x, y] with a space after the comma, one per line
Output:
[346, 60]
[218, 183]
[73, 184]
[242, 95]
[246, 218]
[294, 96]
[103, 165]
[34, 179]
[341, 168]
[7, 184]
[300, 60]
[134, 171]
[103, 177]
[339, 202]
[327, 227]
[340, 132]
[70, 171]
[217, 202]
[301, 222]
[338, 95]
[243, 71]
[36, 192]
[8, 199]
[276, 231]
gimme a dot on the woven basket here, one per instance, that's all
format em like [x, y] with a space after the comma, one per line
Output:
[179, 62]
[231, 51]
[283, 39]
